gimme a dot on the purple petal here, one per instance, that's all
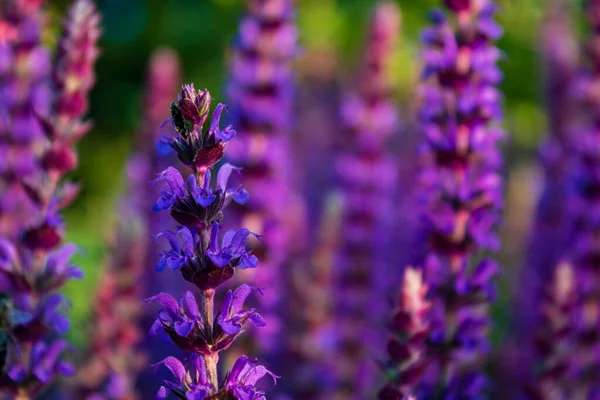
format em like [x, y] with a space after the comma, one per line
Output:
[188, 241]
[171, 238]
[239, 297]
[241, 196]
[156, 328]
[65, 368]
[257, 320]
[207, 179]
[17, 373]
[192, 183]
[162, 264]
[183, 329]
[175, 366]
[221, 259]
[76, 273]
[230, 327]
[224, 174]
[238, 240]
[162, 393]
[8, 253]
[236, 371]
[216, 118]
[61, 324]
[248, 261]
[205, 199]
[175, 263]
[200, 368]
[163, 146]
[228, 237]
[227, 301]
[254, 375]
[192, 305]
[214, 238]
[166, 301]
[174, 180]
[226, 134]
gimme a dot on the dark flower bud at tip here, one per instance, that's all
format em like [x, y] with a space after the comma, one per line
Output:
[203, 104]
[188, 92]
[189, 111]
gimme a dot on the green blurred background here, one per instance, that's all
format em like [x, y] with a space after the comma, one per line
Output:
[201, 31]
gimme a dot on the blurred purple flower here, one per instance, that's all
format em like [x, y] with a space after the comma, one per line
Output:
[367, 175]
[461, 198]
[34, 264]
[548, 231]
[260, 90]
[24, 92]
[77, 52]
[552, 338]
[581, 250]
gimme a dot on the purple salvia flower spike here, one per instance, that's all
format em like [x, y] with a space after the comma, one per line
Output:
[581, 250]
[260, 90]
[410, 319]
[549, 234]
[367, 178]
[553, 344]
[41, 265]
[201, 256]
[24, 84]
[460, 200]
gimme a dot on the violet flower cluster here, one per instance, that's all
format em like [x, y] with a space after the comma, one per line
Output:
[461, 197]
[204, 257]
[548, 238]
[368, 177]
[261, 89]
[35, 264]
[24, 86]
[582, 250]
[553, 344]
[411, 325]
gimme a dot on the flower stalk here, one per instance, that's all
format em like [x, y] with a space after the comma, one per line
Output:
[203, 257]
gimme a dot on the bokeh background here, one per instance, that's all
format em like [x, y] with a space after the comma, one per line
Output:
[331, 34]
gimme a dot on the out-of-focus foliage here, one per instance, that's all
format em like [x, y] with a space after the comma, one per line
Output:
[201, 31]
